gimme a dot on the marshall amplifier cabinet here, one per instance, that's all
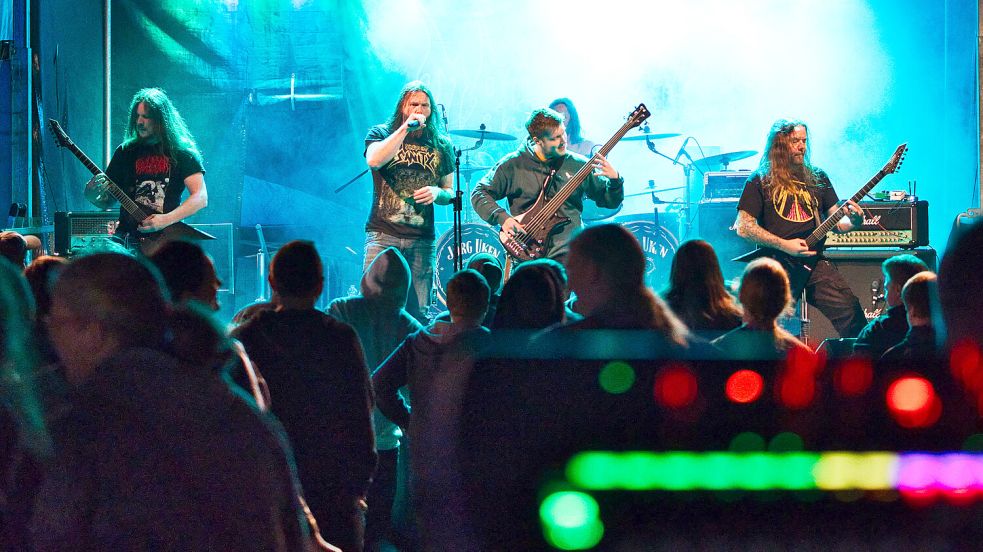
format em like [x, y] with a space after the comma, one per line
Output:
[887, 224]
[81, 230]
[724, 184]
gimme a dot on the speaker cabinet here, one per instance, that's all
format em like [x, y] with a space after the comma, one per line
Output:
[77, 231]
[862, 270]
[715, 221]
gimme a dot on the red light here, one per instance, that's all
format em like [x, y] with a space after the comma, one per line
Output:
[909, 394]
[964, 362]
[675, 386]
[797, 392]
[853, 377]
[913, 402]
[802, 363]
[744, 386]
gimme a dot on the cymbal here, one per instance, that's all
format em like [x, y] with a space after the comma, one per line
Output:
[653, 191]
[640, 137]
[482, 134]
[473, 168]
[726, 158]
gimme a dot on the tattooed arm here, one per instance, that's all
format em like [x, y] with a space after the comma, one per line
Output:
[747, 227]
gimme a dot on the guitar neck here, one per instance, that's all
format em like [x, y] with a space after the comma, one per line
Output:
[576, 180]
[128, 204]
[820, 232]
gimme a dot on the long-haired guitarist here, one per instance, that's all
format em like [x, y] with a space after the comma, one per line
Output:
[544, 160]
[157, 161]
[783, 202]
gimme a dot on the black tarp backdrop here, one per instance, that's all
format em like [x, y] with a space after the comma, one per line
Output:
[230, 68]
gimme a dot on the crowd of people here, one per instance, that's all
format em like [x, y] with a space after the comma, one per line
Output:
[129, 412]
[133, 420]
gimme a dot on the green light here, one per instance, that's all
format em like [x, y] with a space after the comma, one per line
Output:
[568, 509]
[571, 520]
[718, 473]
[639, 470]
[593, 470]
[617, 377]
[687, 471]
[785, 442]
[756, 470]
[578, 538]
[796, 471]
[747, 442]
[974, 443]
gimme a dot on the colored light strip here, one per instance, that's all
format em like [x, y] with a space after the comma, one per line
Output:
[759, 471]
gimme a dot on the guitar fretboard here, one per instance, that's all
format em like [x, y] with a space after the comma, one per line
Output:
[556, 201]
[128, 204]
[824, 228]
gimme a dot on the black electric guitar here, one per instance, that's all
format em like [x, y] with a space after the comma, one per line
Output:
[543, 218]
[799, 267]
[105, 197]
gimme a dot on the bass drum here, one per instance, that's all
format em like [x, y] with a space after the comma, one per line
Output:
[659, 245]
[475, 238]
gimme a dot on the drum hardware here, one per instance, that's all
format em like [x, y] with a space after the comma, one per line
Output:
[653, 191]
[647, 137]
[725, 158]
[471, 169]
[482, 134]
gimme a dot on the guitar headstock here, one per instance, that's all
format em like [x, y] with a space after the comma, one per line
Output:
[61, 138]
[638, 116]
[894, 164]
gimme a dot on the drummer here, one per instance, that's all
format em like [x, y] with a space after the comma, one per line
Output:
[575, 142]
[520, 175]
[412, 162]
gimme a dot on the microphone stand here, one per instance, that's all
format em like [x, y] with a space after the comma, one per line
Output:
[458, 200]
[686, 222]
[349, 183]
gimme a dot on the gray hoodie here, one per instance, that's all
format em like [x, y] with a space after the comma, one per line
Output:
[381, 322]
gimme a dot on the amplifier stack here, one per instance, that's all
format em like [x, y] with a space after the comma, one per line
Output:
[887, 224]
[77, 231]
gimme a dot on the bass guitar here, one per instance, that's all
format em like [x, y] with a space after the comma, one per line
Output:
[799, 267]
[543, 218]
[104, 197]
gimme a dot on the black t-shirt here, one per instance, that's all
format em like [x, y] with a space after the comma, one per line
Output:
[154, 181]
[415, 165]
[788, 214]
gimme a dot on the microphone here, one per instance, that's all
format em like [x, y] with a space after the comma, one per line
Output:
[875, 292]
[443, 114]
[682, 150]
[413, 125]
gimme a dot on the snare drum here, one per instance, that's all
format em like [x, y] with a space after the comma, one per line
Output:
[659, 245]
[475, 238]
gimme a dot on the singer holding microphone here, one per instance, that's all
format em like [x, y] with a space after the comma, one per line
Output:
[412, 164]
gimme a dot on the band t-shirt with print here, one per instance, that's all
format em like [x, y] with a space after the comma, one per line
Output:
[415, 165]
[788, 214]
[154, 181]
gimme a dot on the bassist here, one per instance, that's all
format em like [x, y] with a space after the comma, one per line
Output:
[783, 202]
[157, 161]
[544, 159]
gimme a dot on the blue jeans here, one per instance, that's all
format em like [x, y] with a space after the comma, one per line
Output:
[421, 255]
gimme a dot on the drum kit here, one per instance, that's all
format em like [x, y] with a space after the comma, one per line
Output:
[657, 233]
